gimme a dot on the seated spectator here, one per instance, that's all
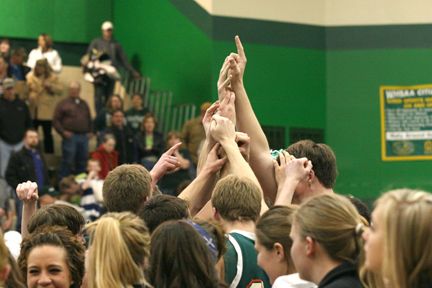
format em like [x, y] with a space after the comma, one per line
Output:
[135, 114]
[5, 49]
[398, 245]
[14, 121]
[44, 93]
[103, 117]
[150, 142]
[120, 244]
[169, 183]
[162, 208]
[106, 155]
[175, 243]
[124, 138]
[193, 133]
[326, 246]
[46, 51]
[53, 256]
[17, 70]
[28, 164]
[273, 246]
[3, 73]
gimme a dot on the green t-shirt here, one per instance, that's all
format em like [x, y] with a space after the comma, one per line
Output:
[241, 268]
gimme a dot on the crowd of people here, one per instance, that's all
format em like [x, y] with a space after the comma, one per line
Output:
[210, 207]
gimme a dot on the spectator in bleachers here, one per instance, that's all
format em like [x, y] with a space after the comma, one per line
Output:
[14, 121]
[46, 51]
[3, 73]
[135, 115]
[72, 120]
[193, 133]
[5, 49]
[124, 138]
[28, 164]
[150, 142]
[106, 154]
[169, 183]
[109, 46]
[103, 118]
[44, 92]
[17, 69]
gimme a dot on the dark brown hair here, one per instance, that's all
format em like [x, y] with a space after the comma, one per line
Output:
[59, 237]
[180, 258]
[322, 157]
[57, 215]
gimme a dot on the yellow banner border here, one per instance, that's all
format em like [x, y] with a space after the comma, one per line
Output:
[384, 156]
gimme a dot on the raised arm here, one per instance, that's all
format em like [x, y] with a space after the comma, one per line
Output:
[260, 159]
[28, 193]
[222, 130]
[168, 162]
[198, 193]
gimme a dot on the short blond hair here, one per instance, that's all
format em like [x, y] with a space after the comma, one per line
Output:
[237, 199]
[406, 217]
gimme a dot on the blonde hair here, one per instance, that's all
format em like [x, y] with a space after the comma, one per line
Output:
[331, 220]
[237, 199]
[4, 257]
[119, 247]
[406, 217]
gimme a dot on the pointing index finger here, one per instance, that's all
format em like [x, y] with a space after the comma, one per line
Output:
[240, 49]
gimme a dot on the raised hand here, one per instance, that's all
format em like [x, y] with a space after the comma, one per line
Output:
[206, 121]
[213, 163]
[222, 129]
[237, 63]
[291, 168]
[27, 192]
[168, 162]
[227, 107]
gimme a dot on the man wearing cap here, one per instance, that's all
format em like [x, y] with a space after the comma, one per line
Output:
[27, 164]
[14, 121]
[107, 45]
[193, 133]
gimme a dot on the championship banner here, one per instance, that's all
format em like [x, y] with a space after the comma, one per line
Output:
[406, 122]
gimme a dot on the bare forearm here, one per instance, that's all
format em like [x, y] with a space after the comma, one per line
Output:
[286, 192]
[198, 193]
[28, 210]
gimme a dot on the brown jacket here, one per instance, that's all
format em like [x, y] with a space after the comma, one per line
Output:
[43, 102]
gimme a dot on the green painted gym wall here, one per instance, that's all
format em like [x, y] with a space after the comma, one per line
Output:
[167, 47]
[286, 86]
[353, 117]
[76, 21]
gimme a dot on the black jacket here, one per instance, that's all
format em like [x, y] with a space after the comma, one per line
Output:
[343, 276]
[14, 120]
[21, 168]
[157, 148]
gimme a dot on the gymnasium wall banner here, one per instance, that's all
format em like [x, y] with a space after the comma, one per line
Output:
[406, 122]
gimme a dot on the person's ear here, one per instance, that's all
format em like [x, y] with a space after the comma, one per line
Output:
[310, 177]
[310, 246]
[216, 215]
[280, 252]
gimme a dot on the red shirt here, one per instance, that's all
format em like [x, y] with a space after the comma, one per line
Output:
[108, 161]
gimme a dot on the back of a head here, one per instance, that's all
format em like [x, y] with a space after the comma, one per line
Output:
[237, 199]
[126, 188]
[331, 220]
[406, 219]
[274, 226]
[180, 258]
[57, 215]
[59, 237]
[119, 246]
[162, 208]
[322, 157]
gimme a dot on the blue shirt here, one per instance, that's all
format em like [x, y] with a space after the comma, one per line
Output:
[38, 166]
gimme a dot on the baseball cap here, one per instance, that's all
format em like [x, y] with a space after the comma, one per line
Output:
[8, 83]
[107, 25]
